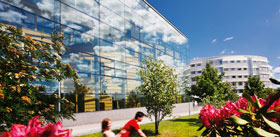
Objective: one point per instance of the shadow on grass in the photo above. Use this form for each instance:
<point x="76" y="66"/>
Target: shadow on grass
<point x="149" y="132"/>
<point x="135" y="134"/>
<point x="190" y="121"/>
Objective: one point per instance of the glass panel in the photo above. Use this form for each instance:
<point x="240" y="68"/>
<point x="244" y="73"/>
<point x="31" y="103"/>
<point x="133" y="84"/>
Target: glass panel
<point x="111" y="18"/>
<point x="89" y="7"/>
<point x="114" y="5"/>
<point x="79" y="21"/>
<point x="43" y="8"/>
<point x="131" y="71"/>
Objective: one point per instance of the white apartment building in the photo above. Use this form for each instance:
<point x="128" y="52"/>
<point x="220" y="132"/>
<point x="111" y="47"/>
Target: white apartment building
<point x="237" y="69"/>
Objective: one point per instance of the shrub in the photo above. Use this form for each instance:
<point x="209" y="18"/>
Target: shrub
<point x="249" y="116"/>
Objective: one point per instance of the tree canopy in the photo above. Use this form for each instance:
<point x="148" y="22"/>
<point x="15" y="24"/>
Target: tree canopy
<point x="210" y="84"/>
<point x="24" y="61"/>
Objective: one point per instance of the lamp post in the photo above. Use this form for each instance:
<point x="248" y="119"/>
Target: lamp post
<point x="59" y="95"/>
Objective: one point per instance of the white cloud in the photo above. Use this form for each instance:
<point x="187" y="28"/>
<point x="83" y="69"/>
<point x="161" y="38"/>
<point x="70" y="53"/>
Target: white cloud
<point x="223" y="51"/>
<point x="278" y="12"/>
<point x="232" y="52"/>
<point x="12" y="16"/>
<point x="276" y="70"/>
<point x="278" y="57"/>
<point x="214" y="41"/>
<point x="229" y="38"/>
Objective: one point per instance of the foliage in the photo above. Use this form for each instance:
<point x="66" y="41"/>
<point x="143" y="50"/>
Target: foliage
<point x="254" y="86"/>
<point x="159" y="88"/>
<point x="266" y="92"/>
<point x="34" y="129"/>
<point x="179" y="127"/>
<point x="250" y="116"/>
<point x="218" y="100"/>
<point x="23" y="62"/>
<point x="134" y="99"/>
<point x="210" y="84"/>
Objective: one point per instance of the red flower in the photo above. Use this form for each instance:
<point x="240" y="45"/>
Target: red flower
<point x="228" y="110"/>
<point x="241" y="103"/>
<point x="34" y="129"/>
<point x="210" y="115"/>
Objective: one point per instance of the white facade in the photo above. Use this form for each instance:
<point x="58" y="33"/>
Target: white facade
<point x="237" y="69"/>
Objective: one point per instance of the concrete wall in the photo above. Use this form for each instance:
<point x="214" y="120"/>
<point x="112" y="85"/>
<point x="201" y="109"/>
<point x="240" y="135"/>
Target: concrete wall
<point x="121" y="114"/>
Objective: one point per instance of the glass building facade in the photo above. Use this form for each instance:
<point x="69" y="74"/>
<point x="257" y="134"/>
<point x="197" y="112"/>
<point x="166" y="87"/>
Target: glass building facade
<point x="107" y="39"/>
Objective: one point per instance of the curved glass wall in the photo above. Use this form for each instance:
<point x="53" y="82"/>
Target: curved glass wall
<point x="107" y="39"/>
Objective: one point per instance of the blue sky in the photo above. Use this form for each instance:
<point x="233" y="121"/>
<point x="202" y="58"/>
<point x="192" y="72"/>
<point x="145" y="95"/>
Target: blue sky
<point x="227" y="27"/>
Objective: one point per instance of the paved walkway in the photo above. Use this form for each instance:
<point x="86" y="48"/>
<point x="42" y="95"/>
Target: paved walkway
<point x="96" y="127"/>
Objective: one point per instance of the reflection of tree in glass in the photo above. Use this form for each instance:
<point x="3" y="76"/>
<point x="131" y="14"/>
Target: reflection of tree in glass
<point x="134" y="99"/>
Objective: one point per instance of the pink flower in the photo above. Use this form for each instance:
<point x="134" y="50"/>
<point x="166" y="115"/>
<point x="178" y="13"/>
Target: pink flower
<point x="6" y="134"/>
<point x="228" y="110"/>
<point x="210" y="115"/>
<point x="34" y="129"/>
<point x="241" y="103"/>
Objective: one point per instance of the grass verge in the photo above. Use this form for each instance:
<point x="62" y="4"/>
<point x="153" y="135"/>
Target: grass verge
<point x="180" y="127"/>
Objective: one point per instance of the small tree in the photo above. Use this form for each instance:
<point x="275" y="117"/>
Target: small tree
<point x="209" y="85"/>
<point x="254" y="86"/>
<point x="159" y="88"/>
<point x="24" y="61"/>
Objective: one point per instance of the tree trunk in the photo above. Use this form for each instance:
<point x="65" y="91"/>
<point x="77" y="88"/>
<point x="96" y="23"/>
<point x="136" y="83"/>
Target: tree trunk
<point x="156" y="124"/>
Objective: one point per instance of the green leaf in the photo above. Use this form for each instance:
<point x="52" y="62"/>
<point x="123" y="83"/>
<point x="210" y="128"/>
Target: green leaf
<point x="213" y="133"/>
<point x="200" y="128"/>
<point x="238" y="120"/>
<point x="273" y="125"/>
<point x="243" y="111"/>
<point x="258" y="102"/>
<point x="264" y="133"/>
<point x="248" y="98"/>
<point x="275" y="97"/>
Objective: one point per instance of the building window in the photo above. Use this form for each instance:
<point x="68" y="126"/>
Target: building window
<point x="238" y="61"/>
<point x="232" y="61"/>
<point x="245" y="76"/>
<point x="194" y="79"/>
<point x="198" y="64"/>
<point x="240" y="76"/>
<point x="225" y="62"/>
<point x="239" y="69"/>
<point x="244" y="68"/>
<point x="233" y="76"/>
<point x="226" y="69"/>
<point x="233" y="83"/>
<point x="220" y="61"/>
<point x="193" y="72"/>
<point x="240" y="83"/>
<point x="199" y="72"/>
<point x="192" y="65"/>
<point x="220" y="69"/>
<point x="232" y="69"/>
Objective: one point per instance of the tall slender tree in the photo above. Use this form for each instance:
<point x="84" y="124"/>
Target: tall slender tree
<point x="159" y="87"/>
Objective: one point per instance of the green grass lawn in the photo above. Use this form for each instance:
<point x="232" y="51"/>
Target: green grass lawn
<point x="180" y="127"/>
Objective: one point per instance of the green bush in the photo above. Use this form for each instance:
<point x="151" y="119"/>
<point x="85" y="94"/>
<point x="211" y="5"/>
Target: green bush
<point x="24" y="61"/>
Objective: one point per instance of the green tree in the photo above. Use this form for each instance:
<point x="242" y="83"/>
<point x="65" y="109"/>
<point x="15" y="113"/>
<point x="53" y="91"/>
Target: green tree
<point x="24" y="61"/>
<point x="254" y="85"/>
<point x="266" y="92"/>
<point x="159" y="88"/>
<point x="209" y="85"/>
